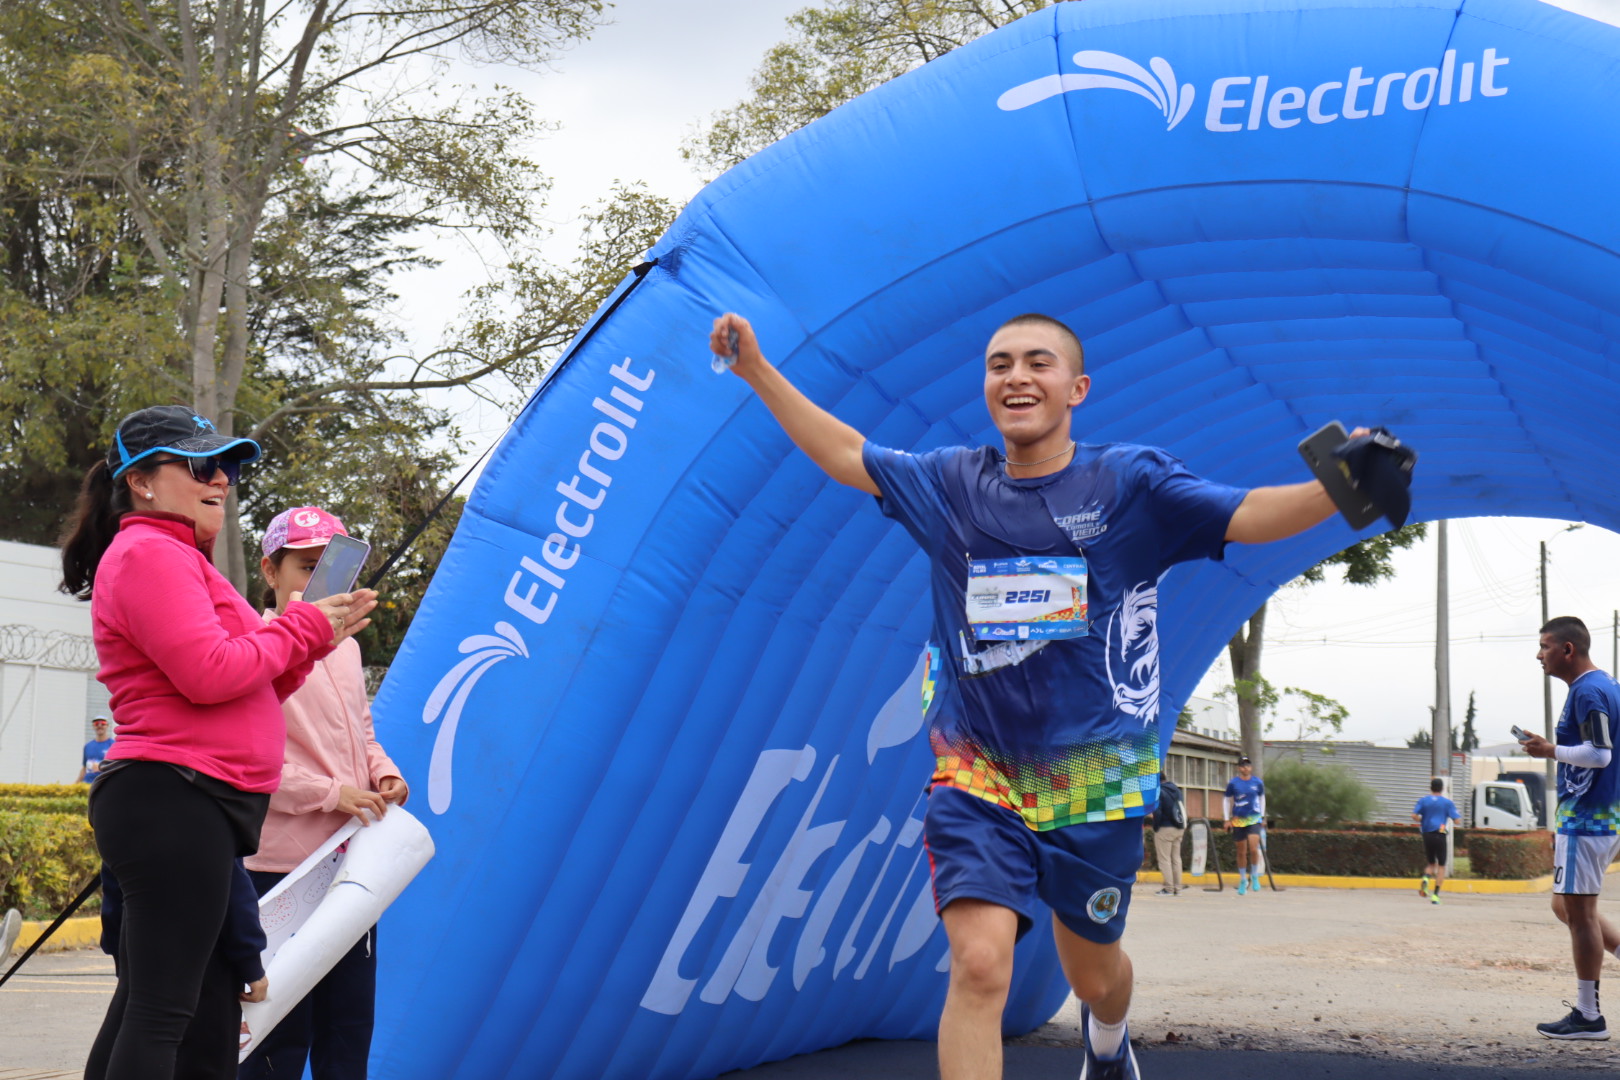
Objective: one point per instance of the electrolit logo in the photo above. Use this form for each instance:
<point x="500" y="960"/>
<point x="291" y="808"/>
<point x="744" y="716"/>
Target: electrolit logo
<point x="805" y="900"/>
<point x="1250" y="102"/>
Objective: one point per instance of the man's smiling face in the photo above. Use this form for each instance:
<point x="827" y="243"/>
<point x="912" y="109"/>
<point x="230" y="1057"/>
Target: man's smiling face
<point x="1031" y="382"/>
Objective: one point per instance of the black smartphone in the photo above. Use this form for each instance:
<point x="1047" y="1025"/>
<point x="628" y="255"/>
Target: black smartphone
<point x="338" y="568"/>
<point x="1317" y="451"/>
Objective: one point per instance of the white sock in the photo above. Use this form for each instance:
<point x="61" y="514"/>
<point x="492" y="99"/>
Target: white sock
<point x="1105" y="1040"/>
<point x="1586" y="998"/>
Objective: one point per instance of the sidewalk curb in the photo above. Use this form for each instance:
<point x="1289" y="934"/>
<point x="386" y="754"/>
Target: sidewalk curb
<point x="81" y="933"/>
<point x="1323" y="881"/>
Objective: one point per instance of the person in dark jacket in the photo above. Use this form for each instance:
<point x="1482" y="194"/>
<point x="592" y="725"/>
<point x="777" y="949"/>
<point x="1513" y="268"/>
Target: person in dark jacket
<point x="1169" y="824"/>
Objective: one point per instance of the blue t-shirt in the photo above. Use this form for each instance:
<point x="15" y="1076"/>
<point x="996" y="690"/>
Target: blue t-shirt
<point x="95" y="752"/>
<point x="1589" y="799"/>
<point x="1059" y="730"/>
<point x="1434" y="810"/>
<point x="1246" y="796"/>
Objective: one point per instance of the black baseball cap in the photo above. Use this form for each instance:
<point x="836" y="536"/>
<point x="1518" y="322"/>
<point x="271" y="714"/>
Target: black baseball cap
<point x="178" y="430"/>
<point x="1244" y="760"/>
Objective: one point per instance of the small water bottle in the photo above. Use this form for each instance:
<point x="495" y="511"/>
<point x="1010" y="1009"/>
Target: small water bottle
<point x="722" y="364"/>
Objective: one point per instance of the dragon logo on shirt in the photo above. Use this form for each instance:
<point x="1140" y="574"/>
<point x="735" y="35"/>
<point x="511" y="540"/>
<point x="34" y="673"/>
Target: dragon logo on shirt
<point x="1132" y="654"/>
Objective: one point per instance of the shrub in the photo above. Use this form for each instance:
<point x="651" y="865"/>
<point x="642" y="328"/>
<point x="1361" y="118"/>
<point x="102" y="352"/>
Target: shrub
<point x="1305" y="796"/>
<point x="44" y="806"/>
<point x="1514" y="856"/>
<point x="45" y="859"/>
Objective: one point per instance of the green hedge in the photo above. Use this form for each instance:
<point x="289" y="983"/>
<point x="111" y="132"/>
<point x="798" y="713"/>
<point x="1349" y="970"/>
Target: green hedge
<point x="44" y="806"/>
<point x="45" y="859"/>
<point x="1386" y="851"/>
<point x="81" y="792"/>
<point x="1513" y="856"/>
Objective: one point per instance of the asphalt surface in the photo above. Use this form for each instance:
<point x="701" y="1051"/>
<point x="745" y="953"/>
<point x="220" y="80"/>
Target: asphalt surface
<point x="1444" y="992"/>
<point x="872" y="1060"/>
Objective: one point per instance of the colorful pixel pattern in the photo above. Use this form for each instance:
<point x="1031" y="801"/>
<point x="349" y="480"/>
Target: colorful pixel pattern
<point x="1086" y="782"/>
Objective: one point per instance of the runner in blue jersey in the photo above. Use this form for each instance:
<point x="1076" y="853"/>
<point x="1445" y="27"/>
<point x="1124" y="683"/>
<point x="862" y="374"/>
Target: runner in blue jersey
<point x="1588" y="829"/>
<point x="1245" y="805"/>
<point x="1046" y="558"/>
<point x="1432" y="814"/>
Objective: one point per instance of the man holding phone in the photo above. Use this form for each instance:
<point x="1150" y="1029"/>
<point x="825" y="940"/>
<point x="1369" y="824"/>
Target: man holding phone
<point x="1587" y="834"/>
<point x="1047" y="743"/>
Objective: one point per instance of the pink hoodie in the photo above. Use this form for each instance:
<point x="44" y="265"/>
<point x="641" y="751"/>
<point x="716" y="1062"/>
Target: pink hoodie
<point x="329" y="743"/>
<point x="196" y="677"/>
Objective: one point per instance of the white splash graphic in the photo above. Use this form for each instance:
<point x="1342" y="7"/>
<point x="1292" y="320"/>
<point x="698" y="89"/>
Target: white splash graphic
<point x="1136" y="688"/>
<point x="450" y="696"/>
<point x="1158" y="86"/>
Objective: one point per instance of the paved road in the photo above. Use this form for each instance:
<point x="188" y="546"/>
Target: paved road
<point x="915" y="1061"/>
<point x="1447" y="993"/>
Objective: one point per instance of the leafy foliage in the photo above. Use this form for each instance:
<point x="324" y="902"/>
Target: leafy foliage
<point x="834" y="54"/>
<point x="1301" y="795"/>
<point x="45" y="859"/>
<point x="1510" y="855"/>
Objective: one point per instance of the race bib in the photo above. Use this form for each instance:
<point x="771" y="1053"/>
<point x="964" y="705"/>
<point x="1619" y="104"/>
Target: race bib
<point x="1027" y="599"/>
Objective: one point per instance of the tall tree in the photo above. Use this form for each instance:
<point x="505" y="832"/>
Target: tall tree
<point x="1366" y="562"/>
<point x="200" y="114"/>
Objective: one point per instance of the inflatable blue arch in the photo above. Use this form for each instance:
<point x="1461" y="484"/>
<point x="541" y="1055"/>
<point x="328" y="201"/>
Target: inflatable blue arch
<point x="661" y="707"/>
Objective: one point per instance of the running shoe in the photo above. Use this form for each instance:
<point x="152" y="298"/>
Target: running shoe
<point x="1243" y="886"/>
<point x="1096" y="1068"/>
<point x="1573" y="1026"/>
<point x="1165" y="892"/>
<point x="1423" y="887"/>
<point x="1434" y="898"/>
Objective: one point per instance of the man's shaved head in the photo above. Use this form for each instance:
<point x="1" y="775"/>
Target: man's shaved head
<point x="1074" y="352"/>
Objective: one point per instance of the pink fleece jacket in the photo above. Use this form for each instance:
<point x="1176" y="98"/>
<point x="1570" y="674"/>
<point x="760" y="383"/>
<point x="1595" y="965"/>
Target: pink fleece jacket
<point x="196" y="677"/>
<point x="329" y="743"/>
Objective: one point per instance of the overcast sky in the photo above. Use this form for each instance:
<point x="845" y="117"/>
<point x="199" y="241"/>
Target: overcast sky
<point x="625" y="101"/>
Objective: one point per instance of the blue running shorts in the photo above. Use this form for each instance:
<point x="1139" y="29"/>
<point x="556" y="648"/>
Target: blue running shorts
<point x="980" y="851"/>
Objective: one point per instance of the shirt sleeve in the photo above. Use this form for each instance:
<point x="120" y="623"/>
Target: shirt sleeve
<point x="1596" y="723"/>
<point x="1192" y="514"/>
<point x="1452" y="807"/>
<point x="166" y="610"/>
<point x="912" y="491"/>
<point x="241" y="939"/>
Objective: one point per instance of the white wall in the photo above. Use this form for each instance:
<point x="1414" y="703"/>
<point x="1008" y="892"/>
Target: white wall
<point x="47" y="694"/>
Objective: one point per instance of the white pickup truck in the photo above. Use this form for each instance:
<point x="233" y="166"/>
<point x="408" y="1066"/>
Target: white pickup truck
<point x="1504" y="804"/>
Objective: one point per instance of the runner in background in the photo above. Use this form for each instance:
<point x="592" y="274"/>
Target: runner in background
<point x="1431" y="814"/>
<point x="334" y="770"/>
<point x="95" y="751"/>
<point x="1245" y="817"/>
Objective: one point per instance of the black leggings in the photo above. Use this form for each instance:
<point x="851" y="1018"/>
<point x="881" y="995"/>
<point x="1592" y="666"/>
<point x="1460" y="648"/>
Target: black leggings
<point x="171" y="848"/>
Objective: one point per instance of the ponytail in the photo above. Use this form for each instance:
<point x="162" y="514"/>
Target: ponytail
<point x="91" y="529"/>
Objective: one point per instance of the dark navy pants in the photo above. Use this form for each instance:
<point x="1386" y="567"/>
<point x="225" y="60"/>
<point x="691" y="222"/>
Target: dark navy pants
<point x="330" y="1028"/>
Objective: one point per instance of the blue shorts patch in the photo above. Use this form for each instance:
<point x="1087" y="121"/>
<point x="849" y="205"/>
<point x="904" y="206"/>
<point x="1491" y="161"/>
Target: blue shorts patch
<point x="980" y="851"/>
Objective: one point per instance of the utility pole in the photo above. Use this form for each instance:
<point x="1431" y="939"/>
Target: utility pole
<point x="1546" y="694"/>
<point x="1614" y="667"/>
<point x="1440" y="731"/>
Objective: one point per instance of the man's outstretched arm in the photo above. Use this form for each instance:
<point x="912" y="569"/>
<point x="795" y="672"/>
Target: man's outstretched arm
<point x="829" y="442"/>
<point x="1276" y="513"/>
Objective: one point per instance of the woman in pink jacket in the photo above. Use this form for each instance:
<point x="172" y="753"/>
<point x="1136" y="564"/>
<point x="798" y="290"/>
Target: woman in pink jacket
<point x="334" y="770"/>
<point x="196" y="679"/>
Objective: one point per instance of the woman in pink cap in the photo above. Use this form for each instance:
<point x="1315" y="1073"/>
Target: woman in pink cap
<point x="334" y="770"/>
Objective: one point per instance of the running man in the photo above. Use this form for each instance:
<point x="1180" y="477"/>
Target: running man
<point x="1430" y="815"/>
<point x="1245" y="817"/>
<point x="1045" y="723"/>
<point x="1588" y="813"/>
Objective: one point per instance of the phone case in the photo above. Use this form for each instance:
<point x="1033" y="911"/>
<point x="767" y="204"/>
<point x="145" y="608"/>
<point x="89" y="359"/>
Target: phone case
<point x="1317" y="450"/>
